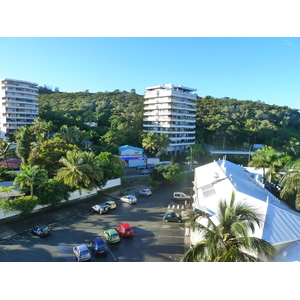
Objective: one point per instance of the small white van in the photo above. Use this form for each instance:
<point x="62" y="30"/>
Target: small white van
<point x="180" y="196"/>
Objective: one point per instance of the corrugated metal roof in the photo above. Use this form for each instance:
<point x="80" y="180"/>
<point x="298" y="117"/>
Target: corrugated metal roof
<point x="281" y="223"/>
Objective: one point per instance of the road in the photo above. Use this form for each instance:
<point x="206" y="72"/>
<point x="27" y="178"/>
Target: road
<point x="154" y="240"/>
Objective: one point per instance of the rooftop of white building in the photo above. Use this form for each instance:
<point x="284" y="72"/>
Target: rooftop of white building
<point x="217" y="180"/>
<point x="170" y="86"/>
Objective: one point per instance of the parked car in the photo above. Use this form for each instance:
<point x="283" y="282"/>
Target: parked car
<point x="180" y="196"/>
<point x="100" y="208"/>
<point x="99" y="246"/>
<point x="41" y="230"/>
<point x="82" y="252"/>
<point x="124" y="230"/>
<point x="111" y="204"/>
<point x="141" y="167"/>
<point x="129" y="199"/>
<point x="151" y="166"/>
<point x="146" y="172"/>
<point x="145" y="192"/>
<point x="112" y="236"/>
<point x="164" y="164"/>
<point x="172" y="217"/>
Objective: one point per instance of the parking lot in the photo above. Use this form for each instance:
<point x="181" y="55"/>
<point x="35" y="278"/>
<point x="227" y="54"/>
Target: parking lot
<point x="154" y="240"/>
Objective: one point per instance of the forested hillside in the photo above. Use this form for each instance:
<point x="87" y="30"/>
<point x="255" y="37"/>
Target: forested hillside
<point x="223" y="123"/>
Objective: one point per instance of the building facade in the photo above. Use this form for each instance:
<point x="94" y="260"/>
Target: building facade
<point x="19" y="105"/>
<point x="170" y="109"/>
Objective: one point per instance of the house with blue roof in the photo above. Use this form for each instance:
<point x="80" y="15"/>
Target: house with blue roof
<point x="217" y="180"/>
<point x="132" y="156"/>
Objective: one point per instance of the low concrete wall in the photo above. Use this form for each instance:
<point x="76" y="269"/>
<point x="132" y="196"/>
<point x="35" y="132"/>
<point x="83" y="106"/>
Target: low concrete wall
<point x="73" y="196"/>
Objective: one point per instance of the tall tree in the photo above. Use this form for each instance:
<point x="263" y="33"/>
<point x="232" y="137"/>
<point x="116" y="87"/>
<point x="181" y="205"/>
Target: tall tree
<point x="29" y="177"/>
<point x="81" y="170"/>
<point x="291" y="183"/>
<point x="268" y="157"/>
<point x="229" y="240"/>
<point x="149" y="141"/>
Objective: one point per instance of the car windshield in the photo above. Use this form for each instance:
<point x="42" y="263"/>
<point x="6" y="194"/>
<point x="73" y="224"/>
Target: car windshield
<point x="114" y="236"/>
<point x="128" y="229"/>
<point x="45" y="228"/>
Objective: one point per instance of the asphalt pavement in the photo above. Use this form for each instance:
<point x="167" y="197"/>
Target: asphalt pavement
<point x="11" y="227"/>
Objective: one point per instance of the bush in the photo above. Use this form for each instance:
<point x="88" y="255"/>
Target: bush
<point x="24" y="204"/>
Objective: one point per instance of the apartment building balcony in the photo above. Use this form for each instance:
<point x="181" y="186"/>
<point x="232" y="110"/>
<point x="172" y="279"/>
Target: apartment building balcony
<point x="19" y="91"/>
<point x="181" y="144"/>
<point x="23" y="104"/>
<point x="158" y="106"/>
<point x="169" y="93"/>
<point x="16" y="96"/>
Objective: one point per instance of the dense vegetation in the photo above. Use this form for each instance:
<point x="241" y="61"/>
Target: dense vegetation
<point x="224" y="123"/>
<point x="74" y="142"/>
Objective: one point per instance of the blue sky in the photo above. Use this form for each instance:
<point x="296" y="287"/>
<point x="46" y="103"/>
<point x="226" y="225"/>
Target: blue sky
<point x="245" y="68"/>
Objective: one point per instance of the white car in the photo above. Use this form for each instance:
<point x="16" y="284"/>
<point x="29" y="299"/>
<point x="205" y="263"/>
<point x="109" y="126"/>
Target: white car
<point x="128" y="199"/>
<point x="145" y="192"/>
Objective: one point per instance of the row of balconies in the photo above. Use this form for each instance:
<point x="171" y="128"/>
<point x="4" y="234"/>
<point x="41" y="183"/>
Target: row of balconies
<point x="167" y="125"/>
<point x="169" y="93"/>
<point x="168" y="113"/>
<point x="20" y="85"/>
<point x="166" y="119"/>
<point x="169" y="100"/>
<point x="15" y="116"/>
<point x="20" y="96"/>
<point x="169" y="130"/>
<point x="168" y="106"/>
<point x="20" y="90"/>
<point x="25" y="105"/>
<point x="20" y="110"/>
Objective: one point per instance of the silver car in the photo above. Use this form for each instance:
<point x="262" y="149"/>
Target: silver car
<point x="145" y="192"/>
<point x="128" y="199"/>
<point x="82" y="252"/>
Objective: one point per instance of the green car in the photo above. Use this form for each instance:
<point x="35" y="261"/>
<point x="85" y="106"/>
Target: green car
<point x="172" y="217"/>
<point x="112" y="236"/>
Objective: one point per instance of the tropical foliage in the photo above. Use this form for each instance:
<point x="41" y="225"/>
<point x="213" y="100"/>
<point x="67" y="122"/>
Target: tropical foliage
<point x="230" y="239"/>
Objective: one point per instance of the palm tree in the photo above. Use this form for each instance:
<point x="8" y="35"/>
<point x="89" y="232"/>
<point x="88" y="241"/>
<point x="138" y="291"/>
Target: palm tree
<point x="229" y="241"/>
<point x="291" y="183"/>
<point x="162" y="141"/>
<point x="268" y="157"/>
<point x="81" y="170"/>
<point x="30" y="176"/>
<point x="5" y="150"/>
<point x="149" y="141"/>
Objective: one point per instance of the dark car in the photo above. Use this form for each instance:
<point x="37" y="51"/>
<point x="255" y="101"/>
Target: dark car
<point x="141" y="167"/>
<point x="99" y="246"/>
<point x="146" y="172"/>
<point x="100" y="208"/>
<point x="151" y="166"/>
<point x="41" y="230"/>
<point x="172" y="217"/>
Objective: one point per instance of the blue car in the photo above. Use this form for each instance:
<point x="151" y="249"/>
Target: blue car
<point x="99" y="246"/>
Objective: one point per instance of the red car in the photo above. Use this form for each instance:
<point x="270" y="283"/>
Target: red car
<point x="124" y="230"/>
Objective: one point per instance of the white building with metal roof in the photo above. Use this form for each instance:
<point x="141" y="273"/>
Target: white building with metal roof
<point x="217" y="180"/>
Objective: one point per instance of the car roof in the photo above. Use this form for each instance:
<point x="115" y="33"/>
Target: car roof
<point x="98" y="240"/>
<point x="82" y="247"/>
<point x="111" y="230"/>
<point x="130" y="196"/>
<point x="124" y="225"/>
<point x="109" y="201"/>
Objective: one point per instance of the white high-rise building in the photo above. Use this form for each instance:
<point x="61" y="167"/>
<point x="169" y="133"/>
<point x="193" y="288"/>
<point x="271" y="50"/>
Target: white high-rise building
<point x="19" y="105"/>
<point x="171" y="109"/>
